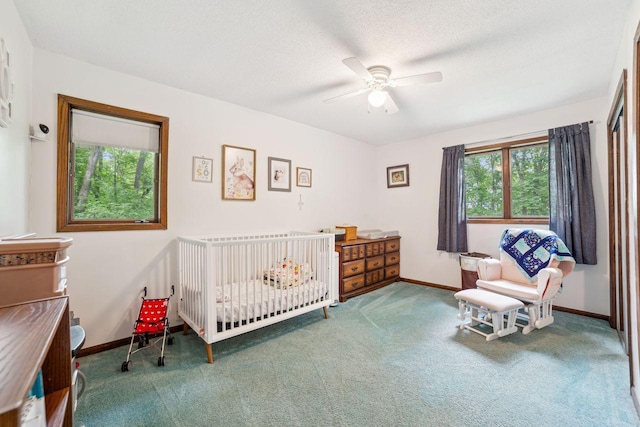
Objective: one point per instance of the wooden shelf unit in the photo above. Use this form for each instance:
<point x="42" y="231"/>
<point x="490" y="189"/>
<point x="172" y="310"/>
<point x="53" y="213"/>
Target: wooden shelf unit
<point x="367" y="264"/>
<point x="36" y="336"/>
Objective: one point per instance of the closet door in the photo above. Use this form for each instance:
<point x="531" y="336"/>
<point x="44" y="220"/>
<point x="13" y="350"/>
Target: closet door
<point x="619" y="265"/>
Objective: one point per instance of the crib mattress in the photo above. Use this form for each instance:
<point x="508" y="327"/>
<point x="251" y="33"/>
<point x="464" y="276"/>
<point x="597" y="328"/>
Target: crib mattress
<point x="239" y="302"/>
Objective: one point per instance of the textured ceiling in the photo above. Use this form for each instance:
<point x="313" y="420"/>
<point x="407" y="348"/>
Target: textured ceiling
<point x="499" y="58"/>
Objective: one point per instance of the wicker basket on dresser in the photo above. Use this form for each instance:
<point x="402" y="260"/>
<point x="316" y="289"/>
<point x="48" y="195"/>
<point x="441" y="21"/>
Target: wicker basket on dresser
<point x="367" y="264"/>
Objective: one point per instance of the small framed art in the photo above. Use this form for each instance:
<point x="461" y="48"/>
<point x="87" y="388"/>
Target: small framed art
<point x="398" y="176"/>
<point x="303" y="177"/>
<point x="201" y="169"/>
<point x="279" y="174"/>
<point x="238" y="173"/>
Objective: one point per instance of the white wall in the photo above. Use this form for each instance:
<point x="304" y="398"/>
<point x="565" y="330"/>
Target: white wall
<point x="15" y="145"/>
<point x="416" y="206"/>
<point x="108" y="269"/>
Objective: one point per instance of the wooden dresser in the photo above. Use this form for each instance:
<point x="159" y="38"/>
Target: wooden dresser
<point x="367" y="264"/>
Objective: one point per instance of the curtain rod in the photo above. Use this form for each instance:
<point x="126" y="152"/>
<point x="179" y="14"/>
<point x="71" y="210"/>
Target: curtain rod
<point x="495" y="140"/>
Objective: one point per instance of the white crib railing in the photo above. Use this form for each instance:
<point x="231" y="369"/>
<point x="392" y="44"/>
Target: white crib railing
<point x="237" y="283"/>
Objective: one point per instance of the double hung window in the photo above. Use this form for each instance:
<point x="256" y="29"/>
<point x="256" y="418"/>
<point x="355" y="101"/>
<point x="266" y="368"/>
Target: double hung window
<point x="508" y="182"/>
<point x="112" y="167"/>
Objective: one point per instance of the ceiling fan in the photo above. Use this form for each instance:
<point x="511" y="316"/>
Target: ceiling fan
<point x="378" y="83"/>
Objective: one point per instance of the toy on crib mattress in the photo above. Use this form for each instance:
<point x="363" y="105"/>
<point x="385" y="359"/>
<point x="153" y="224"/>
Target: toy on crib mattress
<point x="288" y="273"/>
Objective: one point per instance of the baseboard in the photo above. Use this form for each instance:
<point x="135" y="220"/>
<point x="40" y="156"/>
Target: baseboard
<point x="429" y="284"/>
<point x="115" y="344"/>
<point x="555" y="307"/>
<point x="581" y="313"/>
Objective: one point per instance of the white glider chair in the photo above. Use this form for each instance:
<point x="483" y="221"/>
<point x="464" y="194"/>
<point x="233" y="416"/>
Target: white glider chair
<point x="531" y="267"/>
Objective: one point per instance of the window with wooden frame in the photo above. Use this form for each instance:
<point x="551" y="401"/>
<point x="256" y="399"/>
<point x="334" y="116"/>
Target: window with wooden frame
<point x="508" y="182"/>
<point x="112" y="167"/>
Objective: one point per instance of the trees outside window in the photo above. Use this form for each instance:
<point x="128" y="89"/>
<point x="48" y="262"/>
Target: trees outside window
<point x="483" y="184"/>
<point x="508" y="182"/>
<point x="529" y="181"/>
<point x="112" y="164"/>
<point x="113" y="183"/>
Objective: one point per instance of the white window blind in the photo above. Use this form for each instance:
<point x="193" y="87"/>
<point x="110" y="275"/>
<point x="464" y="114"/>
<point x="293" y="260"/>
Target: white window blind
<point x="99" y="129"/>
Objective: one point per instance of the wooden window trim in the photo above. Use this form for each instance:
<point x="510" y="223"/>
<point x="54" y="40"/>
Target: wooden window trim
<point x="64" y="187"/>
<point x="495" y="220"/>
<point x="505" y="148"/>
<point x="518" y="143"/>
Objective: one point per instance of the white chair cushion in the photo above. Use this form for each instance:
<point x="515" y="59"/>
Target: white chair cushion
<point x="490" y="300"/>
<point x="515" y="290"/>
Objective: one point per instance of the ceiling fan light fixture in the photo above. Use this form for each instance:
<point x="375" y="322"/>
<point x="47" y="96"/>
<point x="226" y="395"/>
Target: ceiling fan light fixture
<point x="377" y="98"/>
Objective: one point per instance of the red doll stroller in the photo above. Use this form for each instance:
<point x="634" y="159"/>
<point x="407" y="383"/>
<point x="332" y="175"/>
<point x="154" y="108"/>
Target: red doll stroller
<point x="152" y="321"/>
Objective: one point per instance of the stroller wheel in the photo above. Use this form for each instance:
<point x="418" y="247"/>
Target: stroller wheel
<point x="126" y="366"/>
<point x="161" y="361"/>
<point x="170" y="340"/>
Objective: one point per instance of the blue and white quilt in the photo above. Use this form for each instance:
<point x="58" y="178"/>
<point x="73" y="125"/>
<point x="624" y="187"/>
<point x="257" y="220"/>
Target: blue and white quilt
<point x="533" y="250"/>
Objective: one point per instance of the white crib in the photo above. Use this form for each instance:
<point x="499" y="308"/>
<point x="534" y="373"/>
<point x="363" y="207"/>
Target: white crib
<point x="232" y="284"/>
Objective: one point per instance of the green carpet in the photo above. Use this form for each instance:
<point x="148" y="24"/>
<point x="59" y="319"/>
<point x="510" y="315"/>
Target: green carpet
<point x="393" y="357"/>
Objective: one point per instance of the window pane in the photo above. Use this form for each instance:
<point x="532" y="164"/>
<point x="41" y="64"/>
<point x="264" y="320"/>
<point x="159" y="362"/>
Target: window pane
<point x="483" y="184"/>
<point x="530" y="181"/>
<point x="113" y="183"/>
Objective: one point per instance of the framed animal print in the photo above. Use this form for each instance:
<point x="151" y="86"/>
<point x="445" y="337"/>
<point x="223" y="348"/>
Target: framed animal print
<point x="238" y="173"/>
<point x="279" y="174"/>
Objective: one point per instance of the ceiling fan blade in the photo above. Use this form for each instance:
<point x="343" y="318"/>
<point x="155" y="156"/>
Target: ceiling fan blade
<point x="390" y="106"/>
<point x="419" y="79"/>
<point x="346" y="95"/>
<point x="356" y="66"/>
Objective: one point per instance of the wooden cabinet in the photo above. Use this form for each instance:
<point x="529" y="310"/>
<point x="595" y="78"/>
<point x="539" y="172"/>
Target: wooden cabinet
<point x="366" y="265"/>
<point x="36" y="336"/>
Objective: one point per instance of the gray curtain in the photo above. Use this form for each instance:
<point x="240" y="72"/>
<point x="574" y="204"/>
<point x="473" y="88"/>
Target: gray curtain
<point x="452" y="212"/>
<point x="572" y="213"/>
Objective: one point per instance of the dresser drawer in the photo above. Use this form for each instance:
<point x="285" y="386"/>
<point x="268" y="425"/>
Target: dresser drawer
<point x="393" y="271"/>
<point x="392" y="245"/>
<point x="374" y="249"/>
<point x="353" y="283"/>
<point x="350" y="253"/>
<point x="375" y="263"/>
<point x="392" y="258"/>
<point x="352" y="268"/>
<point x="374" y="277"/>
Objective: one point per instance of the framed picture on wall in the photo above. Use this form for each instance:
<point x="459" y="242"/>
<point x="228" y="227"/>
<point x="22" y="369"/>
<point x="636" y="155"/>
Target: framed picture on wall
<point x="201" y="169"/>
<point x="303" y="177"/>
<point x="238" y="173"/>
<point x="398" y="176"/>
<point x="279" y="174"/>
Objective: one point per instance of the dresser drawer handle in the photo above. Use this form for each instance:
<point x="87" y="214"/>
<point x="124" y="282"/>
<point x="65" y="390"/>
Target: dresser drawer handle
<point x="354" y="268"/>
<point x="375" y="264"/>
